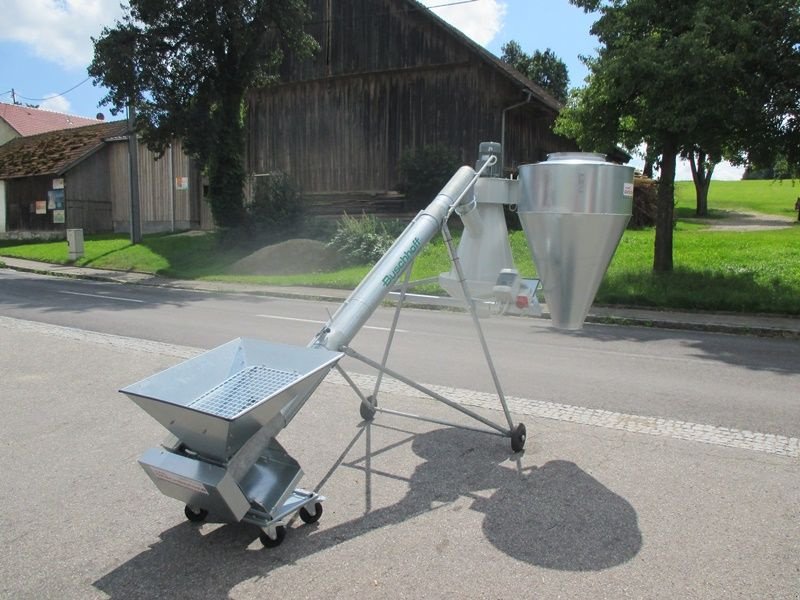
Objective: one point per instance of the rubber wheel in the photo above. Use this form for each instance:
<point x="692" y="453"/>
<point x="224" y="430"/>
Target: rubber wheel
<point x="518" y="438"/>
<point x="195" y="516"/>
<point x="307" y="517"/>
<point x="268" y="542"/>
<point x="367" y="413"/>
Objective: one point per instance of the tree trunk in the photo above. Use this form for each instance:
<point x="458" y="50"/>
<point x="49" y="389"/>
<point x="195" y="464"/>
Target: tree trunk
<point x="702" y="171"/>
<point x="649" y="161"/>
<point x="226" y="169"/>
<point x="662" y="256"/>
<point x="647" y="171"/>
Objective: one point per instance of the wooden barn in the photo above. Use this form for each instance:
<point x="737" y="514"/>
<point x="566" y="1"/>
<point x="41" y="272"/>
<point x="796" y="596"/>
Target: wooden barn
<point x="390" y="76"/>
<point x="79" y="178"/>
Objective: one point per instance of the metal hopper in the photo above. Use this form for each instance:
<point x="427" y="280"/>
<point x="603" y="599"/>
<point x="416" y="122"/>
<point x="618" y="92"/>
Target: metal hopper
<point x="574" y="208"/>
<point x="217" y="401"/>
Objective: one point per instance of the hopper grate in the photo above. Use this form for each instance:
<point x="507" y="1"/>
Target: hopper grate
<point x="242" y="390"/>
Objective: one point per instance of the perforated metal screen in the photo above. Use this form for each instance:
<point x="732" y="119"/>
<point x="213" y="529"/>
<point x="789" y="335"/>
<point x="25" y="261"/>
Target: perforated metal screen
<point x="243" y="390"/>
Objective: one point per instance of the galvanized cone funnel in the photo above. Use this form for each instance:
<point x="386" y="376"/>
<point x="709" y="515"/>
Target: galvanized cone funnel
<point x="215" y="402"/>
<point x="574" y="208"/>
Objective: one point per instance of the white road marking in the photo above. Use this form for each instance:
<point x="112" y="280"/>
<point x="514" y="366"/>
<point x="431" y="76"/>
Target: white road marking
<point x="766" y="443"/>
<point x="280" y="318"/>
<point x="104" y="297"/>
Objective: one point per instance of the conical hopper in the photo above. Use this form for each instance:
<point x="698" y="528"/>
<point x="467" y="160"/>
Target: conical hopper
<point x="215" y="402"/>
<point x="574" y="208"/>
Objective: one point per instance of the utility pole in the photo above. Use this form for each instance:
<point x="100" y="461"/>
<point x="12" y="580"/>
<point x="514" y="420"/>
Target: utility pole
<point x="133" y="155"/>
<point x="13" y="96"/>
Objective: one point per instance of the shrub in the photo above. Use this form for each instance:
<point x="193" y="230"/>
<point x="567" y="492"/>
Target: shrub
<point x="277" y="204"/>
<point x="361" y="240"/>
<point x="424" y="171"/>
<point x="645" y="203"/>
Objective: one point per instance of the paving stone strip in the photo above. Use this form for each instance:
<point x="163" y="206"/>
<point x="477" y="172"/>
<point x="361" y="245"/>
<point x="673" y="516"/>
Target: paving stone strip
<point x="681" y="430"/>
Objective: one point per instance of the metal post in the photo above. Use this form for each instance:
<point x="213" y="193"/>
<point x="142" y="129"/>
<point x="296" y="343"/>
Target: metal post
<point x="171" y="178"/>
<point x="471" y="305"/>
<point x="133" y="157"/>
<point x="392" y="331"/>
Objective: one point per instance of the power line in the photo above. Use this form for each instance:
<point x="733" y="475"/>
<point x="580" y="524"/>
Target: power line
<point x="54" y="95"/>
<point x="420" y="8"/>
<point x="451" y="4"/>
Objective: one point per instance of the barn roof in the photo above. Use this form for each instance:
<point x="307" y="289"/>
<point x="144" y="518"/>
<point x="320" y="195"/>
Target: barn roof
<point x="55" y="152"/>
<point x="526" y="84"/>
<point x="31" y="121"/>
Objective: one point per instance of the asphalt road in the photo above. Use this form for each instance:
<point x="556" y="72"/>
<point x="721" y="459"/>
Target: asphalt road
<point x="414" y="510"/>
<point x="740" y="382"/>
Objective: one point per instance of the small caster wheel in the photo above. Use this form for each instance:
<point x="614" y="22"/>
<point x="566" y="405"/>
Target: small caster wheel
<point x="367" y="412"/>
<point x="307" y="517"/>
<point x="280" y="533"/>
<point x="518" y="437"/>
<point x="195" y="516"/>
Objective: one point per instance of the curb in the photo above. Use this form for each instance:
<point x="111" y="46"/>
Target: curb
<point x="314" y="295"/>
<point x="751" y="330"/>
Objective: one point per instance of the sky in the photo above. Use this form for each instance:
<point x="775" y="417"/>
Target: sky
<point x="46" y="47"/>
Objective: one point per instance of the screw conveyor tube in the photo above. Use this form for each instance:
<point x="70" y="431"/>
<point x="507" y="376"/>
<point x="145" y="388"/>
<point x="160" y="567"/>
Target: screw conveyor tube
<point x="351" y="316"/>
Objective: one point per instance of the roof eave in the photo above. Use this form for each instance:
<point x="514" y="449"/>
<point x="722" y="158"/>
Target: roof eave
<point x="526" y="85"/>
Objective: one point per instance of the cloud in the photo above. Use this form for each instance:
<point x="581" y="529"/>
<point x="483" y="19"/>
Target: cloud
<point x="56" y="104"/>
<point x="59" y="31"/>
<point x="481" y="20"/>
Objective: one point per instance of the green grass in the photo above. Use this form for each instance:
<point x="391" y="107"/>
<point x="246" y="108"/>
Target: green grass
<point x="742" y="271"/>
<point x="739" y="271"/>
<point x="184" y="256"/>
<point x="769" y="197"/>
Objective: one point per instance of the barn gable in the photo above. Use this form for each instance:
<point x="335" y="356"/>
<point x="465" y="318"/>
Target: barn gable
<point x="369" y="36"/>
<point x="390" y="75"/>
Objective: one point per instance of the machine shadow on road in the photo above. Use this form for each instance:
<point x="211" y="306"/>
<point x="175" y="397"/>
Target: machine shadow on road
<point x="554" y="516"/>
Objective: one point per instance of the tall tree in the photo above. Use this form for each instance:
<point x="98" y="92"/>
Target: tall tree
<point x="689" y="74"/>
<point x="187" y="66"/>
<point x="543" y="68"/>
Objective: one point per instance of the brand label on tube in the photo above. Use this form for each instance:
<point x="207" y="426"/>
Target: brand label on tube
<point x="405" y="259"/>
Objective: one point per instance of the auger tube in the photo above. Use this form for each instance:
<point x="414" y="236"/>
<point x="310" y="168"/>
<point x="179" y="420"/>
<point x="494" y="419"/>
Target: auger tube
<point x="351" y="316"/>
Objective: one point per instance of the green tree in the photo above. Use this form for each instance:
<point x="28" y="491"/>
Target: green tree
<point x="683" y="75"/>
<point x="187" y="65"/>
<point x="543" y="68"/>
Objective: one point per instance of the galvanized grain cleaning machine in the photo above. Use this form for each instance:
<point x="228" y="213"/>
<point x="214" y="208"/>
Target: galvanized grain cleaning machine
<point x="225" y="407"/>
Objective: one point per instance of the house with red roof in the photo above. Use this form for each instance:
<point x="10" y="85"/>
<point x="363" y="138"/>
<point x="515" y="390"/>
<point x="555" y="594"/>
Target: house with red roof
<point x="18" y="121"/>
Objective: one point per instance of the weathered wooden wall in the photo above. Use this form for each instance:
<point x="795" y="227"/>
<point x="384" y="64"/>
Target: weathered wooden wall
<point x="88" y="194"/>
<point x="21" y="194"/>
<point x="366" y="36"/>
<point x="156" y="188"/>
<point x="348" y="134"/>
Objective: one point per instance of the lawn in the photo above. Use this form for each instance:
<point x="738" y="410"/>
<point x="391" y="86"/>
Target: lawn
<point x="185" y="256"/>
<point x="769" y="197"/>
